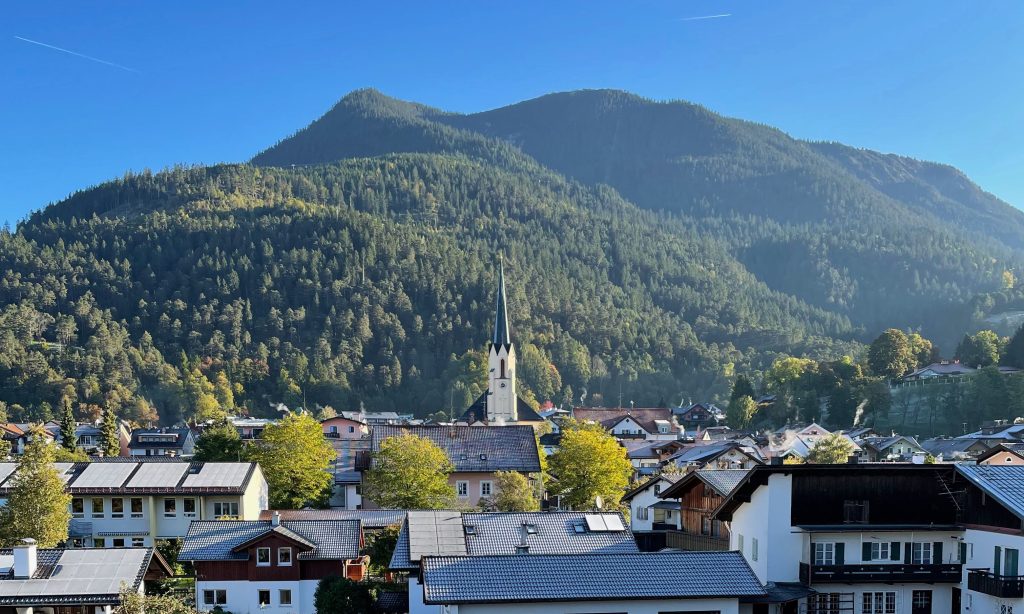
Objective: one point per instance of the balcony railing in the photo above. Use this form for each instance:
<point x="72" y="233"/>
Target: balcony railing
<point x="984" y="581"/>
<point x="689" y="541"/>
<point x="850" y="574"/>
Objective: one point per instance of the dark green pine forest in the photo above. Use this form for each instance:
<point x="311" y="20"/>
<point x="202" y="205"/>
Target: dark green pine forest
<point x="652" y="251"/>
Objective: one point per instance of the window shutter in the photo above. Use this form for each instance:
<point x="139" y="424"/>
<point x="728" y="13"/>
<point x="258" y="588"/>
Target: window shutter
<point x="894" y="551"/>
<point x="963" y="552"/>
<point x="997" y="563"/>
<point x="908" y="552"/>
<point x="840" y="552"/>
<point x="937" y="553"/>
<point x="865" y="554"/>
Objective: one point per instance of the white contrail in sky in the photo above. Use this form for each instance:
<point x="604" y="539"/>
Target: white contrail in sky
<point x="705" y="17"/>
<point x="75" y="53"/>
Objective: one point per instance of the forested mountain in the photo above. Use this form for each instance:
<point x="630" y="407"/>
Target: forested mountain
<point x="652" y="250"/>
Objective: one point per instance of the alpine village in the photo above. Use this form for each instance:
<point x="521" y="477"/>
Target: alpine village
<point x="587" y="353"/>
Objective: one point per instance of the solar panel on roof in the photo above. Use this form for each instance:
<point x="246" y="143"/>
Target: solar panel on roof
<point x="595" y="522"/>
<point x="613" y="522"/>
<point x="6" y="469"/>
<point x="104" y="475"/>
<point x="156" y="475"/>
<point x="225" y="475"/>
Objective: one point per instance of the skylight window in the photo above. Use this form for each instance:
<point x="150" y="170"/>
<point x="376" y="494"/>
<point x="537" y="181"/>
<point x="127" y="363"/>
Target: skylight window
<point x="531" y="529"/>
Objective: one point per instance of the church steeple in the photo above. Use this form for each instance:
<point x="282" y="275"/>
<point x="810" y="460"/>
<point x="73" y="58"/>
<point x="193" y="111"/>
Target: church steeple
<point x="502" y="336"/>
<point x="502" y="402"/>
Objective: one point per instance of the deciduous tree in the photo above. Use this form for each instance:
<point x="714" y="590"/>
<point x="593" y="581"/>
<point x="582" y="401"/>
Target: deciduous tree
<point x="409" y="472"/>
<point x="220" y="443"/>
<point x="336" y="595"/>
<point x="37" y="505"/>
<point x="295" y="457"/>
<point x="589" y="463"/>
<point x="513" y="493"/>
<point x="832" y="449"/>
<point x="890" y="354"/>
<point x="740" y="412"/>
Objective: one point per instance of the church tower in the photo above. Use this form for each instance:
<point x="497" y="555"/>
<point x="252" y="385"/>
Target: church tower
<point x="501" y="380"/>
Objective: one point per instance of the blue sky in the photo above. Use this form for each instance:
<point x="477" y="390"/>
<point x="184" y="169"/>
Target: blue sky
<point x="213" y="82"/>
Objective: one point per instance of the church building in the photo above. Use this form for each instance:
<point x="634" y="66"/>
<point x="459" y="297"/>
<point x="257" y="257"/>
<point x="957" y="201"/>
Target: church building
<point x="500" y="404"/>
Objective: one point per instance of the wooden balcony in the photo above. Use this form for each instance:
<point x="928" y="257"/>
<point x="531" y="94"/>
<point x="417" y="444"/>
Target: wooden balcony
<point x="855" y="574"/>
<point x="689" y="541"/>
<point x="984" y="581"/>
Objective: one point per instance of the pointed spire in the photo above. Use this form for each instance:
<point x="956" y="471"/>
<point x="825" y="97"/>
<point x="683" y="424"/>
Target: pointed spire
<point x="502" y="336"/>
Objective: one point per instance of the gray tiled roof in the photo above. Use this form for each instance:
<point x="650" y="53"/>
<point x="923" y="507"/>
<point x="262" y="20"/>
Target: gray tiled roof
<point x="703" y="453"/>
<point x="371" y="519"/>
<point x="180" y="436"/>
<point x="93" y="576"/>
<point x="586" y="577"/>
<point x="501" y="532"/>
<point x="1004" y="483"/>
<point x="214" y="540"/>
<point x="475" y="448"/>
<point x="722" y="480"/>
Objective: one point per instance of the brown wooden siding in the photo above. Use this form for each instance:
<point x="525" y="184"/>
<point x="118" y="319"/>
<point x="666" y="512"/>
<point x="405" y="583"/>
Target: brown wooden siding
<point x="696" y="505"/>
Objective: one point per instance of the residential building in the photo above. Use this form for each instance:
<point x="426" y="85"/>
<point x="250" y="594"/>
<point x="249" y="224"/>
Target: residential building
<point x="374" y="418"/>
<point x="89" y="437"/>
<point x="119" y="504"/>
<point x="895" y="448"/>
<point x="997" y="432"/>
<point x="500" y="404"/>
<point x="797" y="442"/>
<point x="949" y="449"/>
<point x="58" y="580"/>
<point x="648" y="512"/>
<point x="867" y="538"/>
<point x="345" y="427"/>
<point x="18" y="435"/>
<point x="937" y="370"/>
<point x="475" y="535"/>
<point x="698" y="415"/>
<point x="647" y="457"/>
<point x="716" y="455"/>
<point x="641" y="583"/>
<point x="695" y="497"/>
<point x="993" y="500"/>
<point x="646" y="423"/>
<point x="250" y="428"/>
<point x="255" y="566"/>
<point x="476" y="452"/>
<point x="1003" y="454"/>
<point x="162" y="442"/>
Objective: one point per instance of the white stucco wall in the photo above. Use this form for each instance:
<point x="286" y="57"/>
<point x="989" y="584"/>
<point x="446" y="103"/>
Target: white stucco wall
<point x="243" y="596"/>
<point x="766" y="518"/>
<point x="416" y="605"/>
<point x="981" y="547"/>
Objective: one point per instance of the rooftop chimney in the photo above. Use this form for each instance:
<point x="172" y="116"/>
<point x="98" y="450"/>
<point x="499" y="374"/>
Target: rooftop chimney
<point x="275" y="519"/>
<point x="25" y="558"/>
<point x="522" y="548"/>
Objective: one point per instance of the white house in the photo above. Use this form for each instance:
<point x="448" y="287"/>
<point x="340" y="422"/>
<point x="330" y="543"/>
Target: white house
<point x="648" y="511"/>
<point x="121" y="504"/>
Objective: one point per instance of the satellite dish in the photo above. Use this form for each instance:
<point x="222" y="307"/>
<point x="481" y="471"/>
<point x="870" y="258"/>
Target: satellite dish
<point x="599" y="502"/>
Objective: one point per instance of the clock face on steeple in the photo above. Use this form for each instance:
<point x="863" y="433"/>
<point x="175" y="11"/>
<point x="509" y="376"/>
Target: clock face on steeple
<point x="502" y="384"/>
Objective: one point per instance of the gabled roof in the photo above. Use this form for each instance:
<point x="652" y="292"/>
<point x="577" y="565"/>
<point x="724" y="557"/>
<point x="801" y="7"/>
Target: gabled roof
<point x="223" y="540"/>
<point x="1004" y="483"/>
<point x="665" y="478"/>
<point x="951" y="447"/>
<point x="884" y="443"/>
<point x="1016" y="449"/>
<point x="475" y="448"/>
<point x="586" y="577"/>
<point x="500" y="532"/>
<point x="722" y="481"/>
<point x="371" y="519"/>
<point x="477" y="412"/>
<point x="92" y="576"/>
<point x="646" y="417"/>
<point x="181" y="435"/>
<point x="703" y="454"/>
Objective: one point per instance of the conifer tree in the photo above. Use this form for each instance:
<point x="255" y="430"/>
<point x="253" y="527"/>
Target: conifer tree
<point x="109" y="435"/>
<point x="68" y="428"/>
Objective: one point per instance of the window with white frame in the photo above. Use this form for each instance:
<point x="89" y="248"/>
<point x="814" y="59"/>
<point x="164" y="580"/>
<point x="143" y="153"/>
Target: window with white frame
<point x="880" y="551"/>
<point x="215" y="597"/>
<point x="137" y="542"/>
<point x="263" y="557"/>
<point x="97" y="507"/>
<point x="117" y="542"/>
<point x="462" y="489"/>
<point x="921" y="553"/>
<point x="824" y="553"/>
<point x="642" y="513"/>
<point x="188" y="507"/>
<point x="263" y="597"/>
<point x="284" y="556"/>
<point x="77" y="508"/>
<point x="170" y="508"/>
<point x="486" y="487"/>
<point x="284" y="596"/>
<point x="225" y="508"/>
<point x="829" y="603"/>
<point x="878" y="602"/>
<point x="117" y="507"/>
<point x="136" y="504"/>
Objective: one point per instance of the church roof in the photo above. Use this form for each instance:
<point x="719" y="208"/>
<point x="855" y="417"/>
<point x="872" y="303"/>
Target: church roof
<point x="502" y="335"/>
<point x="478" y="411"/>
